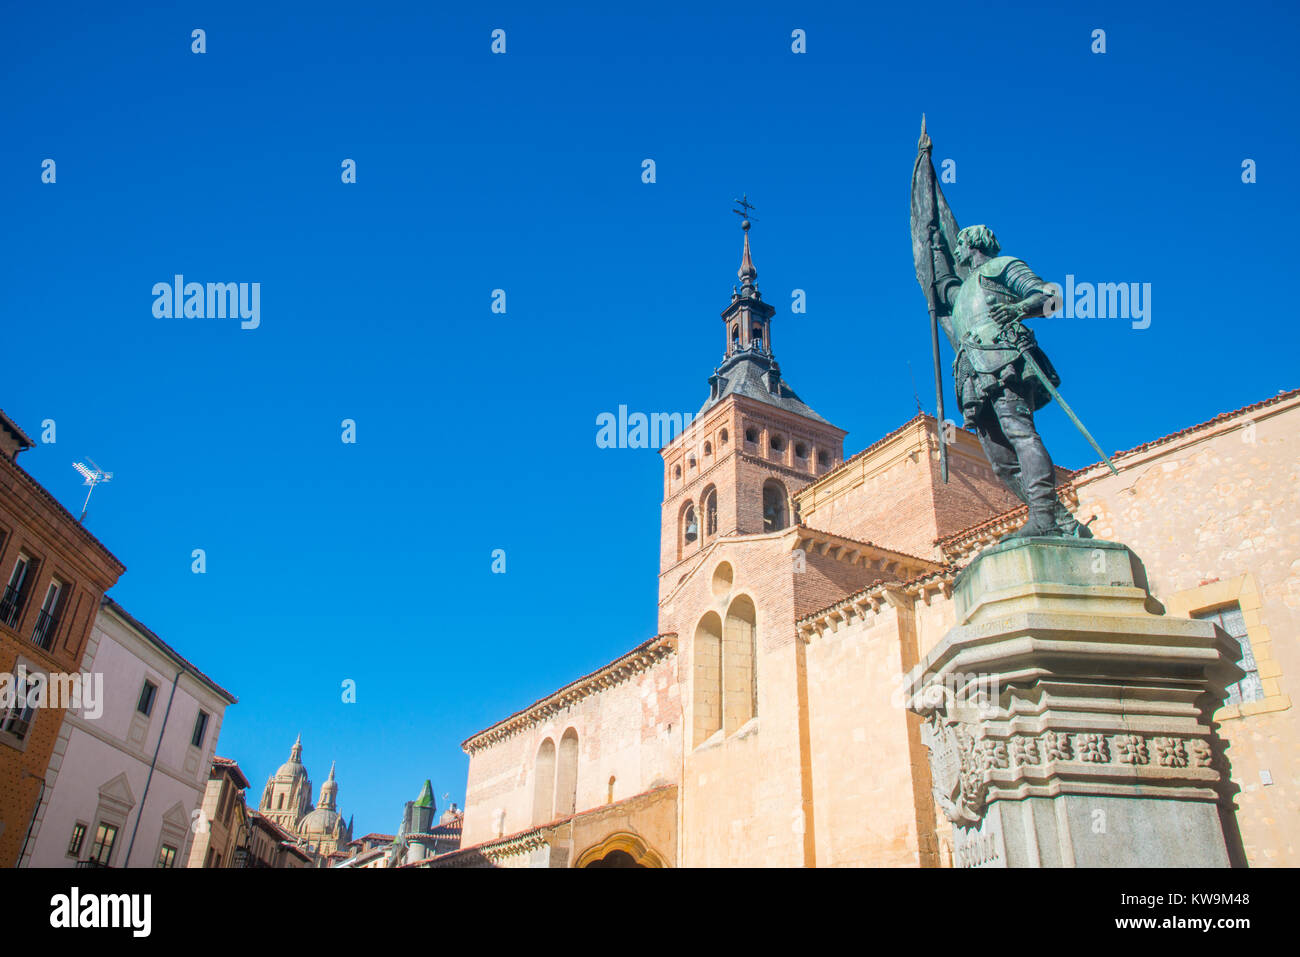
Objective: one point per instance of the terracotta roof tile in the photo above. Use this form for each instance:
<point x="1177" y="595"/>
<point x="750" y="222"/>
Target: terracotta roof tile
<point x="44" y="493"/>
<point x="1221" y="417"/>
<point x="233" y="767"/>
<point x="16" y="429"/>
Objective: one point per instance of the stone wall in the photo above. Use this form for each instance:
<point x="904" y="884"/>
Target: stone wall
<point x="629" y="729"/>
<point x="1214" y="515"/>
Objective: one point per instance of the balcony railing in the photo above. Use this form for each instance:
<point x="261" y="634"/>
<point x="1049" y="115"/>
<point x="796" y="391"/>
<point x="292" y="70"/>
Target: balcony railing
<point x="10" y="606"/>
<point x="91" y="862"/>
<point x="43" y="633"/>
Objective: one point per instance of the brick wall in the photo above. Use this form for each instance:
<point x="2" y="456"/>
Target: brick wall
<point x="894" y="496"/>
<point x="32" y="523"/>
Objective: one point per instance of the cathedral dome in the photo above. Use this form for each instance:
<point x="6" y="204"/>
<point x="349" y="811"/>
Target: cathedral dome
<point x="321" y="822"/>
<point x="292" y="768"/>
<point x="324" y="827"/>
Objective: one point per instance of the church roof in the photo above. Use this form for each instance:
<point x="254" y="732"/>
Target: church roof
<point x="426" y="795"/>
<point x="745" y="375"/>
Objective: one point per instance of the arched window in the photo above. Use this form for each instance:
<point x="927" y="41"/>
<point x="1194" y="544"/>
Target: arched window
<point x="722" y="437"/>
<point x="690" y="526"/>
<point x="774" y="506"/>
<point x="735" y="336"/>
<point x="609" y="796"/>
<point x="280" y="807"/>
<point x="544" y="783"/>
<point x="709" y="503"/>
<point x="566" y="775"/>
<point x="706" y="697"/>
<point x="739" y="664"/>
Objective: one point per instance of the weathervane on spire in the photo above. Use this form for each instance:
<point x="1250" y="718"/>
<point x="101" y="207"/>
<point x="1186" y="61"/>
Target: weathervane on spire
<point x="745" y="207"/>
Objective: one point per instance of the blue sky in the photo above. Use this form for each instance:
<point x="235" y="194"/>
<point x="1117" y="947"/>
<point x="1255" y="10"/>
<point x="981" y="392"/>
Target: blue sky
<point x="476" y="171"/>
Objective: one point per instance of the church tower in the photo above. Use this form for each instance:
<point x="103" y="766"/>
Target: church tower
<point x="733" y="470"/>
<point x="287" y="796"/>
<point x="324" y="829"/>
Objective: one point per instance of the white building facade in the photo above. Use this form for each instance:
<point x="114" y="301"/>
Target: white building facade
<point x="123" y="785"/>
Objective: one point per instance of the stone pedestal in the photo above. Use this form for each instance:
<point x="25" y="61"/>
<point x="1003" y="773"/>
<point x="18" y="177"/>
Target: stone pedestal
<point x="1068" y="719"/>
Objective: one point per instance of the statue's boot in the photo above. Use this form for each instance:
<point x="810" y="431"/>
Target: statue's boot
<point x="1068" y="524"/>
<point x="1041" y="522"/>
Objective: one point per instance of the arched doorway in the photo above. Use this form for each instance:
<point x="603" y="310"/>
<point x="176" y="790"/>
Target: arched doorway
<point x="615" y="858"/>
<point x="620" y="850"/>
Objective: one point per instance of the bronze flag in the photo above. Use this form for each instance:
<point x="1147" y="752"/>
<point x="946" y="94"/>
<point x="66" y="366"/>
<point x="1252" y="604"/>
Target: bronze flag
<point x="930" y="211"/>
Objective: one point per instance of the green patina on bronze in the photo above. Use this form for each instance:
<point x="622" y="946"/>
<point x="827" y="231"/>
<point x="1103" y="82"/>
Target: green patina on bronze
<point x="981" y="299"/>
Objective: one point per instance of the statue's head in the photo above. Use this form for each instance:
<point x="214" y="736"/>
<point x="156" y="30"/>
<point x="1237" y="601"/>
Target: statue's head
<point x="974" y="238"/>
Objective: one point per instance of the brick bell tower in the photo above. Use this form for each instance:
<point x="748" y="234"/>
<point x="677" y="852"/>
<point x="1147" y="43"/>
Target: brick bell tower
<point x="732" y="471"/>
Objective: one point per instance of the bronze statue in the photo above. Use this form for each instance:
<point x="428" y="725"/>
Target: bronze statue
<point x="981" y="300"/>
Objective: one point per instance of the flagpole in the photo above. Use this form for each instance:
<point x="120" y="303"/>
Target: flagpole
<point x="938" y="384"/>
<point x="923" y="147"/>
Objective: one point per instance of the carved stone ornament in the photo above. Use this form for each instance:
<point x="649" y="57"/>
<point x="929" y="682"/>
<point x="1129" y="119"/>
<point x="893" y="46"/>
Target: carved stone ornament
<point x="958" y="769"/>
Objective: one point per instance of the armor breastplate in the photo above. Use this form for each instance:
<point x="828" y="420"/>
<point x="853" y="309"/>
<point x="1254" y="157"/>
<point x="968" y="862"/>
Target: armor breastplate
<point x="976" y="332"/>
<point x="970" y="314"/>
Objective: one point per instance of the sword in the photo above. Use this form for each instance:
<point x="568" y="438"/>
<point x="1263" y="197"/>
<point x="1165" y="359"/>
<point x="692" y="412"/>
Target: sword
<point x="1032" y="364"/>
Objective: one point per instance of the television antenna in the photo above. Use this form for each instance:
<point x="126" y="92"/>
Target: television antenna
<point x="93" y="475"/>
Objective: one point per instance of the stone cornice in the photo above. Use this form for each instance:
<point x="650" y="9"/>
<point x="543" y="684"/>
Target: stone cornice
<point x="639" y="659"/>
<point x="899" y="566"/>
<point x="870" y="599"/>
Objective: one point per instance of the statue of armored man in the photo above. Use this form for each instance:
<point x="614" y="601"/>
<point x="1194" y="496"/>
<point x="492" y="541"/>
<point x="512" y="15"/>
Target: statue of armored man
<point x="981" y="298"/>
